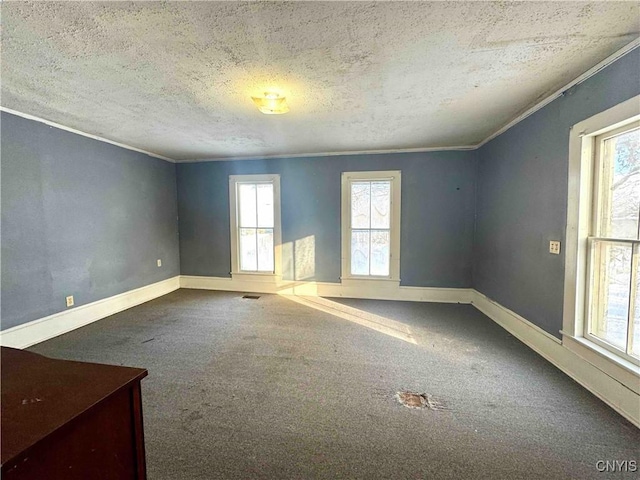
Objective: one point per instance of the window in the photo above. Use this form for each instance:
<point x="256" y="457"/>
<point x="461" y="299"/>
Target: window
<point x="255" y="223"/>
<point x="600" y="314"/>
<point x="371" y="225"/>
<point x="613" y="317"/>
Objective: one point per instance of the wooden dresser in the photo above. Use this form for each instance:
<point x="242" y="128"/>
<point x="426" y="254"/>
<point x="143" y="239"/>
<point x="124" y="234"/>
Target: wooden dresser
<point x="70" y="420"/>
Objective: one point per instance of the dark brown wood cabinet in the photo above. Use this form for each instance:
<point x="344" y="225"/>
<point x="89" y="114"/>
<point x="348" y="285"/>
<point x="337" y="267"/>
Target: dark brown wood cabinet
<point x="70" y="420"/>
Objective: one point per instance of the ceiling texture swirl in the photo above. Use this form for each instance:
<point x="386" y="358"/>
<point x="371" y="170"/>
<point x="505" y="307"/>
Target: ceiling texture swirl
<point x="176" y="78"/>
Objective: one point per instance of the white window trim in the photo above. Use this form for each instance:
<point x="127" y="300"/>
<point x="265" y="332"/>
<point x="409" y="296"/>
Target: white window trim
<point x="394" y="262"/>
<point x="277" y="231"/>
<point x="579" y="211"/>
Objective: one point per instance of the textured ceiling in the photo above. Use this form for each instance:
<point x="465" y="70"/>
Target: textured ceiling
<point x="177" y="78"/>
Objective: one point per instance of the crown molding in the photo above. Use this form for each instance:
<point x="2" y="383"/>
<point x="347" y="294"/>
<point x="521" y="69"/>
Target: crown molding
<point x="558" y="93"/>
<point x="333" y="154"/>
<point x="530" y="111"/>
<point x="84" y="134"/>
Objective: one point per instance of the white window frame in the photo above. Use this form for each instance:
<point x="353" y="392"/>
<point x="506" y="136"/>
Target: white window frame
<point x="394" y="261"/>
<point x="580" y="203"/>
<point x="592" y="272"/>
<point x="234" y="180"/>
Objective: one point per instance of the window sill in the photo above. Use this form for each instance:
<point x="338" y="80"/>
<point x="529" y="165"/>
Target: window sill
<point x="616" y="367"/>
<point x="372" y="284"/>
<point x="380" y="280"/>
<point x="266" y="277"/>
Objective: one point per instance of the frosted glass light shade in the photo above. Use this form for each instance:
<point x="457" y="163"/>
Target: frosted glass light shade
<point x="271" y="104"/>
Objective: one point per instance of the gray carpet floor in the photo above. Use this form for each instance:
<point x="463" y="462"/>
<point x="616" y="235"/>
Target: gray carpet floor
<point x="271" y="388"/>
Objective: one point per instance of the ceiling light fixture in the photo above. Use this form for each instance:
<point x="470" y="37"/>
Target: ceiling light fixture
<point x="271" y="103"/>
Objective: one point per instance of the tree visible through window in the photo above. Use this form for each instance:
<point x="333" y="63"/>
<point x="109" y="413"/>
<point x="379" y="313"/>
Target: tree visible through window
<point x="615" y="242"/>
<point x="256" y="227"/>
<point x="370" y="227"/>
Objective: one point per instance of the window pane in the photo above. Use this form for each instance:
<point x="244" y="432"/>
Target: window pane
<point x="360" y="204"/>
<point x="380" y="204"/>
<point x="248" y="257"/>
<point x="380" y="247"/>
<point x="611" y="292"/>
<point x="359" y="252"/>
<point x="265" y="250"/>
<point x="620" y="203"/>
<point x="265" y="205"/>
<point x="247" y="201"/>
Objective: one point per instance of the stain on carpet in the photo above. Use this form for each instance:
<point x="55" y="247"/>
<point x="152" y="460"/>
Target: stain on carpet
<point x="419" y="400"/>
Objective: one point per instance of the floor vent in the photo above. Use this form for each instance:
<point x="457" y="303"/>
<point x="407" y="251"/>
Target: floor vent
<point x="252" y="297"/>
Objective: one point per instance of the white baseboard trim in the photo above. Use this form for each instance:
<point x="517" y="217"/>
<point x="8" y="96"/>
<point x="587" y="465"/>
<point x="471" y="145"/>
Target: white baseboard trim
<point x="617" y="395"/>
<point x="508" y="319"/>
<point x="36" y="331"/>
<point x="352" y="289"/>
<point x="614" y="393"/>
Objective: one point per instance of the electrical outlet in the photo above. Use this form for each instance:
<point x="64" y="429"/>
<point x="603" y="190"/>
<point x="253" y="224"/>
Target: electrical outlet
<point x="554" y="247"/>
<point x="159" y="262"/>
<point x="70" y="301"/>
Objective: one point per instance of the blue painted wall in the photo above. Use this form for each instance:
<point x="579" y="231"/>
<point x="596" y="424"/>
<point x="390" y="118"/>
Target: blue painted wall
<point x="437" y="213"/>
<point x="522" y="197"/>
<point x="79" y="217"/>
<point x="87" y="218"/>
